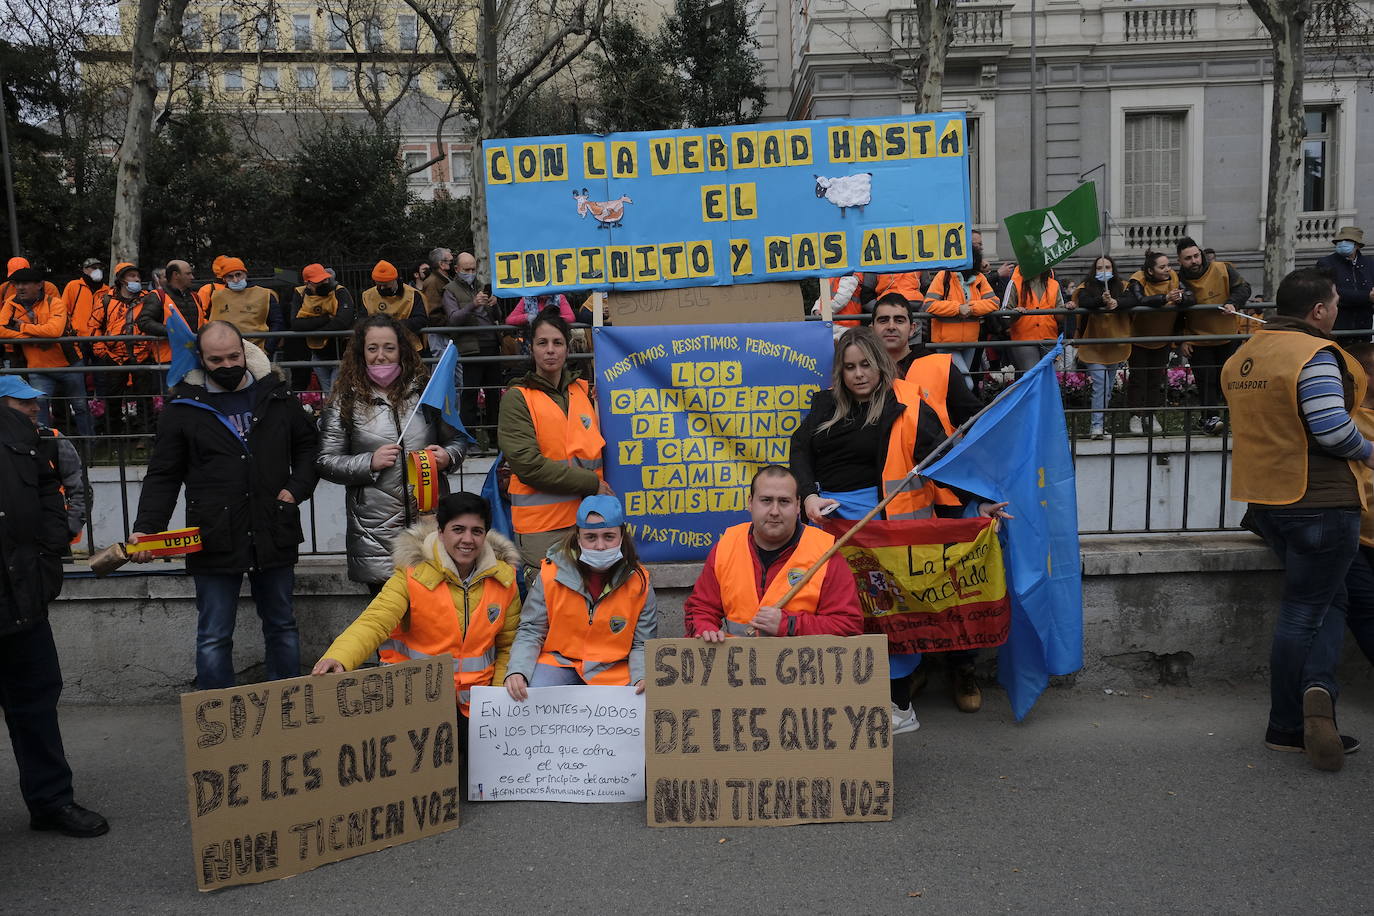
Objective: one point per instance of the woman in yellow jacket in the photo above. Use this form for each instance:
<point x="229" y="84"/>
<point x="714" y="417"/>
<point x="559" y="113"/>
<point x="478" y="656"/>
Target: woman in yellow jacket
<point x="590" y="609"/>
<point x="453" y="593"/>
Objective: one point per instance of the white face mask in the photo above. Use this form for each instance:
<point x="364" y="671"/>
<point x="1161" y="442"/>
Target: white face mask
<point x="97" y="275"/>
<point x="601" y="559"/>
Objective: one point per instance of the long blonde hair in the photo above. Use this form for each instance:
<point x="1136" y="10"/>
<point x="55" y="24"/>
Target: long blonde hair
<point x="877" y="355"/>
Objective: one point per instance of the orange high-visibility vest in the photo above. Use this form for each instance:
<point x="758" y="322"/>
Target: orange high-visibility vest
<point x="854" y="306"/>
<point x="930" y="375"/>
<point x="572" y="439"/>
<point x="246" y="309"/>
<point x="917" y="499"/>
<point x="739" y="587"/>
<point x="1035" y="327"/>
<point x="313" y="306"/>
<point x="908" y="284"/>
<point x="595" y="640"/>
<point x="439" y="627"/>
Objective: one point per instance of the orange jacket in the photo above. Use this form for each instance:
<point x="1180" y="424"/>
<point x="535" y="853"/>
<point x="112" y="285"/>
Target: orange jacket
<point x="1035" y="327"/>
<point x="114" y="317"/>
<point x="81" y="300"/>
<point x="48" y="319"/>
<point x="943" y="299"/>
<point x="907" y="284"/>
<point x="739" y="591"/>
<point x="595" y="640"/>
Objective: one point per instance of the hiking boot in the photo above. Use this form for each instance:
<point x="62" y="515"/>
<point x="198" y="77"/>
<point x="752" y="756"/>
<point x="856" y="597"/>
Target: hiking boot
<point x="967" y="695"/>
<point x="1320" y="739"/>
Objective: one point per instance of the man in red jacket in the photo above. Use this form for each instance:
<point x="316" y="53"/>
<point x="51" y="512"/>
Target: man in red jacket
<point x="754" y="564"/>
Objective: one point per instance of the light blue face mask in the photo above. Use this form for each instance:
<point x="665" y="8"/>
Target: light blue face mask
<point x="238" y="285"/>
<point x="134" y="286"/>
<point x="601" y="559"/>
<point x="1345" y="247"/>
<point x="1104" y="276"/>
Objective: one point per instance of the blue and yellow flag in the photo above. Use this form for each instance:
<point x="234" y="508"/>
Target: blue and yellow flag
<point x="1018" y="451"/>
<point x="442" y="394"/>
<point x="183" y="343"/>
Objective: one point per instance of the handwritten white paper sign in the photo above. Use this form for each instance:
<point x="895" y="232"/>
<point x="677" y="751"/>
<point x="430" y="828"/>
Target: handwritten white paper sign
<point x="569" y="744"/>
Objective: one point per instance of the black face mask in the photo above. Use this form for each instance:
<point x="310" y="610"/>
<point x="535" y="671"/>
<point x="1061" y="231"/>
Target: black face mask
<point x="324" y="288"/>
<point x="228" y="377"/>
<point x="386" y="291"/>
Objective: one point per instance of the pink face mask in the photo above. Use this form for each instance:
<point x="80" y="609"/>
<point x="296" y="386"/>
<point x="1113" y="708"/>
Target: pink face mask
<point x="384" y="375"/>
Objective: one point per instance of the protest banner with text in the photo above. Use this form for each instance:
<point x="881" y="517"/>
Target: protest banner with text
<point x="285" y="776"/>
<point x="568" y="744"/>
<point x="930" y="586"/>
<point x="716" y="206"/>
<point x="690" y="413"/>
<point x="768" y="732"/>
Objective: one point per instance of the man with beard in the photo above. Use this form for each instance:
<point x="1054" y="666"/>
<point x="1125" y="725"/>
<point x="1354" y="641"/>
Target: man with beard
<point x="1216" y="284"/>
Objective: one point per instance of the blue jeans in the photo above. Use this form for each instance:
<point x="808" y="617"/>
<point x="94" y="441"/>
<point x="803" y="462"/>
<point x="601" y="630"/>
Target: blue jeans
<point x="1102" y="377"/>
<point x="1359" y="606"/>
<point x="71" y="387"/>
<point x="966" y="359"/>
<point x="217" y="600"/>
<point x="1317" y="547"/>
<point x="554" y="676"/>
<point x="325" y="373"/>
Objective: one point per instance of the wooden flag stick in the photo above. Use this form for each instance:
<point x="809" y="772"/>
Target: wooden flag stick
<point x="873" y="513"/>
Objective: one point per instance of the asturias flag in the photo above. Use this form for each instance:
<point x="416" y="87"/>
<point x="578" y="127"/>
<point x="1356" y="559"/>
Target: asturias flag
<point x="1043" y="238"/>
<point x="441" y="394"/>
<point x="183" y="343"/>
<point x="1019" y="452"/>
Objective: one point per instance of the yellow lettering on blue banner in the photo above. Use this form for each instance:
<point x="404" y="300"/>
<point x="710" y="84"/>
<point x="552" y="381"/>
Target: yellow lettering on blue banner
<point x="594" y="163"/>
<point x="952" y="138"/>
<point x="922" y="139"/>
<point x="554" y="161"/>
<point x="872" y="250"/>
<point x="772" y="148"/>
<point x="508" y="274"/>
<point x="564" y="264"/>
<point x="952" y="240"/>
<point x="746" y="149"/>
<point x="741" y="258"/>
<point x="805" y="251"/>
<point x="691" y="156"/>
<point x="498" y="166"/>
<point x="717" y="153"/>
<point x="777" y="253"/>
<point x="527" y="164"/>
<point x="672" y="261"/>
<point x="799" y="146"/>
<point x="591" y="265"/>
<point x="619" y="264"/>
<point x="926" y="242"/>
<point x="700" y="260"/>
<point x="624" y="159"/>
<point x="834" y="250"/>
<point x="868" y="143"/>
<point x="663" y="156"/>
<point x="744" y="201"/>
<point x="714" y="203"/>
<point x="841" y="145"/>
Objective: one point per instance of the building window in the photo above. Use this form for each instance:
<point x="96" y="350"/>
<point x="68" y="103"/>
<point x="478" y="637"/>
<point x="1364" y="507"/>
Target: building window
<point x="199" y="80"/>
<point x="338" y="32"/>
<point x="192" y="31"/>
<point x="306" y="78"/>
<point x="414" y="160"/>
<point x="1152" y="182"/>
<point x="338" y="79"/>
<point x="460" y="166"/>
<point x="1318" y="155"/>
<point x="162" y="80"/>
<point x="233" y="79"/>
<point x="300" y="31"/>
<point x="408" y="29"/>
<point x="266" y="28"/>
<point x="268" y="78"/>
<point x="372" y="32"/>
<point x="229" y="31"/>
<point x="974" y="185"/>
<point x="445" y="24"/>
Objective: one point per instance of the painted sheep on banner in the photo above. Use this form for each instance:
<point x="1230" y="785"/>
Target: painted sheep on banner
<point x="846" y="191"/>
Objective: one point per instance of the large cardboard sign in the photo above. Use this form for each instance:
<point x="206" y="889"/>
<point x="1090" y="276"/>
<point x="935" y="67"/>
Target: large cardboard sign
<point x="568" y="744"/>
<point x="286" y="776"/>
<point x="933" y="585"/>
<point x="768" y="732"/>
<point x="717" y="206"/>
<point x="691" y="413"/>
<point x="757" y="302"/>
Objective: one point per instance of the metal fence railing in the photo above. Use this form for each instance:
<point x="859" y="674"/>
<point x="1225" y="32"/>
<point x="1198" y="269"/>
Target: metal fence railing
<point x="1154" y="469"/>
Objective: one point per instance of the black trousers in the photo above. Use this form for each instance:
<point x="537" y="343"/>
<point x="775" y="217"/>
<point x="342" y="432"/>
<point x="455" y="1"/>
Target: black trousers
<point x="476" y="377"/>
<point x="30" y="683"/>
<point x="1207" y="363"/>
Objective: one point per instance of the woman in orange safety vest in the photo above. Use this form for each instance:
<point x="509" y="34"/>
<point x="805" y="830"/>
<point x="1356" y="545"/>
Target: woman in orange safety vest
<point x="590" y="609"/>
<point x="453" y="593"/>
<point x="856" y="446"/>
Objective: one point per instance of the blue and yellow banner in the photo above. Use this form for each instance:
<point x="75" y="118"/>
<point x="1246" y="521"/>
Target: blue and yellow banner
<point x="722" y="205"/>
<point x="690" y="413"/>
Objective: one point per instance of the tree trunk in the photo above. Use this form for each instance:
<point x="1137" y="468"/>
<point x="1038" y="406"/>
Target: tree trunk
<point x="152" y="37"/>
<point x="1286" y="22"/>
<point x="936" y="20"/>
<point x="488" y="113"/>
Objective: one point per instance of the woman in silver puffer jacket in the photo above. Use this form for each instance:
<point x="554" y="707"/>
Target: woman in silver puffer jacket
<point x="380" y="381"/>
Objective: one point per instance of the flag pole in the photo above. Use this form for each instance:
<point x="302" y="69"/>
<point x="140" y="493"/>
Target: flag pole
<point x="401" y="436"/>
<point x="935" y="453"/>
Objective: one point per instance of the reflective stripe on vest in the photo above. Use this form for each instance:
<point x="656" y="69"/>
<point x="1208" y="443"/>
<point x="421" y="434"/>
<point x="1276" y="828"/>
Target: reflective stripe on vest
<point x="569" y="440"/>
<point x="930" y="375"/>
<point x="917" y="498"/>
<point x="444" y="622"/>
<point x="596" y="640"/>
<point x="739" y="586"/>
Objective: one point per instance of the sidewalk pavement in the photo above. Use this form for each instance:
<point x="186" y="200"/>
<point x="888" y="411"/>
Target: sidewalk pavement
<point x="1147" y="801"/>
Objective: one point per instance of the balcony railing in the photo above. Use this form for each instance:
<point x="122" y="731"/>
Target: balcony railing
<point x="1150" y="234"/>
<point x="973" y="25"/>
<point x="1160" y="23"/>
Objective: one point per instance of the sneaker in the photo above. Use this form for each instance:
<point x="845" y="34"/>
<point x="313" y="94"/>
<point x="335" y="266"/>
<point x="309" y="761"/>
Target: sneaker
<point x="1212" y="425"/>
<point x="1291" y="742"/>
<point x="1155" y="427"/>
<point x="904" y="720"/>
<point x="1137" y="429"/>
<point x="967" y="695"/>
<point x="1320" y="741"/>
<point x="1096" y="432"/>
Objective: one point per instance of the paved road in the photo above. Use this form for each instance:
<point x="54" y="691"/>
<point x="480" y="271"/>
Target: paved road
<point x="1158" y="803"/>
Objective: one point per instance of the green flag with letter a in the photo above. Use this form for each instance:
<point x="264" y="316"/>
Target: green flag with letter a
<point x="1043" y="238"/>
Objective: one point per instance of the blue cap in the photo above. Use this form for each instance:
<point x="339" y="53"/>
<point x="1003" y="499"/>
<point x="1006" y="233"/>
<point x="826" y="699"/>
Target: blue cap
<point x="14" y="386"/>
<point x="608" y="507"/>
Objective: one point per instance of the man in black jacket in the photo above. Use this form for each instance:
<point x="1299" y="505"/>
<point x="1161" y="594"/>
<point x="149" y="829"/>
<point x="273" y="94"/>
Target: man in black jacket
<point x="33" y="535"/>
<point x="245" y="450"/>
<point x="1354" y="279"/>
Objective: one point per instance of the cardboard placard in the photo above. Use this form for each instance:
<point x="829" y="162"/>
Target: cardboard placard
<point x="768" y="732"/>
<point x="749" y="303"/>
<point x="565" y="744"/>
<point x="285" y="776"/>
